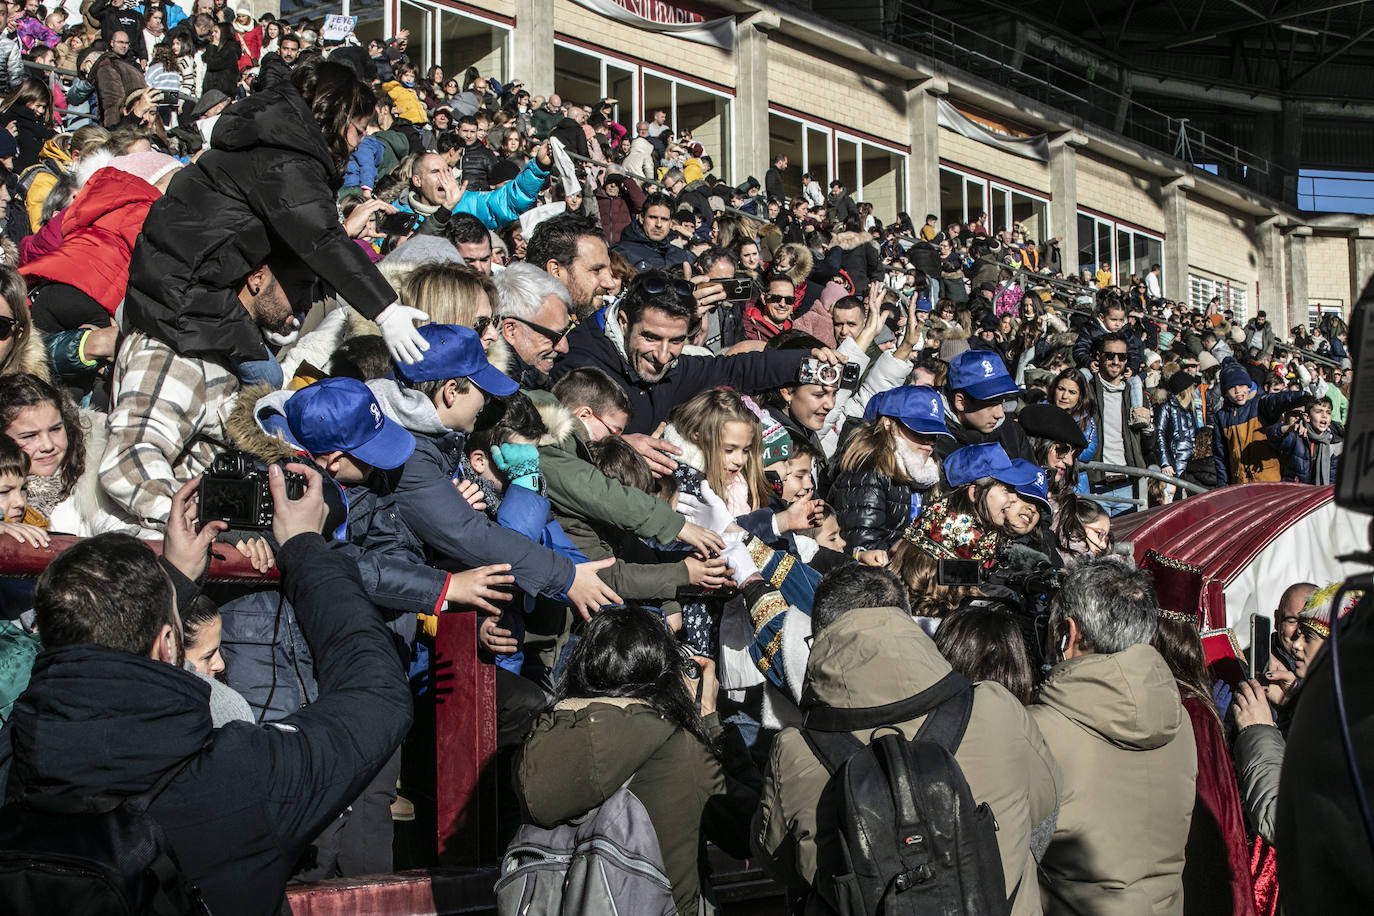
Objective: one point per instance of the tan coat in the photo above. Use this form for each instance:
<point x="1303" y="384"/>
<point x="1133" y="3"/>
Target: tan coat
<point x="1125" y="745"/>
<point x="875" y="656"/>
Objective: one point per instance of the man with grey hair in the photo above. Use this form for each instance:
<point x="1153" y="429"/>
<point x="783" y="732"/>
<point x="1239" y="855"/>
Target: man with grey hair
<point x="1111" y="714"/>
<point x="869" y="657"/>
<point x="533" y="316"/>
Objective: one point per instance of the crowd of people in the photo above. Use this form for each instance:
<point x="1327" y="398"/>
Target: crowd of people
<point x="720" y="468"/>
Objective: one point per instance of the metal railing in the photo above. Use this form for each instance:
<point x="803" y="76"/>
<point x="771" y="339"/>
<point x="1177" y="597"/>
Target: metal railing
<point x="1076" y="89"/>
<point x="1140" y="478"/>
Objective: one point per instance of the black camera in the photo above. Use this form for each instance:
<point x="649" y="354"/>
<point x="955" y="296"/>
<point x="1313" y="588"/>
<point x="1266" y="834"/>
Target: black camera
<point x="234" y="490"/>
<point x="815" y="372"/>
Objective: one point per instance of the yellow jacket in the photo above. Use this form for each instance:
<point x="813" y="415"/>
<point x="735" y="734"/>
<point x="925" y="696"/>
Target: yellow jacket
<point x="43" y="181"/>
<point x="407" y="102"/>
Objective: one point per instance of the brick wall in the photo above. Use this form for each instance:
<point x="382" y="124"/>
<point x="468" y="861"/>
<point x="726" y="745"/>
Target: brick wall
<point x="1328" y="269"/>
<point x="652" y="49"/>
<point x="1222" y="244"/>
<point x="1111" y="189"/>
<point x="960" y="150"/>
<point x="802" y="77"/>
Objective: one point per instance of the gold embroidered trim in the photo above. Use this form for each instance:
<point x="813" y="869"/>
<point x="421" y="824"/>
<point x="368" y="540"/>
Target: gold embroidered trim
<point x="783" y="568"/>
<point x="766" y="608"/>
<point x="1315" y="625"/>
<point x="769" y="651"/>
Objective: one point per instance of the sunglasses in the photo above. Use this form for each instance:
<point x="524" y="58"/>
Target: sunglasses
<point x="1114" y="357"/>
<point x="555" y="337"/>
<point x="481" y="324"/>
<point x="773" y="299"/>
<point x="7" y="327"/>
<point x="654" y="284"/>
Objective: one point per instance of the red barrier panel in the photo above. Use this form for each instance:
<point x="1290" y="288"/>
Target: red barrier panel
<point x="464" y="745"/>
<point x="20" y="561"/>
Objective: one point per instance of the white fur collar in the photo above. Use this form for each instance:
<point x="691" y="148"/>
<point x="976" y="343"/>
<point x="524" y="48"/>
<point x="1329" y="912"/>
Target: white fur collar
<point x="692" y="456"/>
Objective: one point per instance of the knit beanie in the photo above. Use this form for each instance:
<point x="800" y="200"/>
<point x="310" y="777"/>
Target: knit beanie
<point x="1233" y="374"/>
<point x="777" y="443"/>
<point x="1180" y="381"/>
<point x="151" y="167"/>
<point x="1206" y="361"/>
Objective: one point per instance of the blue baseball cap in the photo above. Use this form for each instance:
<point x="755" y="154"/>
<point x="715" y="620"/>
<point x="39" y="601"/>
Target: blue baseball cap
<point x="341" y="415"/>
<point x="1038" y="490"/>
<point x="980" y="373"/>
<point x="917" y="407"/>
<point x="455" y="352"/>
<point x="974" y="462"/>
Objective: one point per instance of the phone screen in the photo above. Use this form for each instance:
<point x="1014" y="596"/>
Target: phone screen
<point x="958" y="572"/>
<point x="1260" y="629"/>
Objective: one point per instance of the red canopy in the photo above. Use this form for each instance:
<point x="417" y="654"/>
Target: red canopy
<point x="1220" y="531"/>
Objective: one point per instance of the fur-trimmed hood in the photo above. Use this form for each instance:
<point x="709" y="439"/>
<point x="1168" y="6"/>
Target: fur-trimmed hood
<point x="692" y="455"/>
<point x="952" y="330"/>
<point x="851" y="240"/>
<point x="559" y="423"/>
<point x="802" y="262"/>
<point x="257" y="424"/>
<point x="32" y="356"/>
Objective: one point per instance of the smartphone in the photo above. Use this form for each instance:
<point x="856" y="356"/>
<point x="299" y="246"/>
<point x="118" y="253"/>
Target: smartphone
<point x="739" y="289"/>
<point x="958" y="572"/>
<point x="1258" y="654"/>
<point x="398" y="223"/>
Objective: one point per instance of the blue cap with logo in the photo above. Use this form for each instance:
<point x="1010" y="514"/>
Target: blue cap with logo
<point x="1038" y="490"/>
<point x="974" y="462"/>
<point x="455" y="352"/>
<point x="917" y="407"/>
<point x="980" y="373"/>
<point x="341" y="415"/>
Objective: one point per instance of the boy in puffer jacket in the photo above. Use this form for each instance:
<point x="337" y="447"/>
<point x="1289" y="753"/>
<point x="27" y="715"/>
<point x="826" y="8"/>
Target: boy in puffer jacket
<point x="1310" y="444"/>
<point x="1242" y="448"/>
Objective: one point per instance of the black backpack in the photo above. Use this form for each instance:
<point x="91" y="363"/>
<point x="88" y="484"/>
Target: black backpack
<point x="897" y="829"/>
<point x="99" y="856"/>
<point x="17" y="210"/>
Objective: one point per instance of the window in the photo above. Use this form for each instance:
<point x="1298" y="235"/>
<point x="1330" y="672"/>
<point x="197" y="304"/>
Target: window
<point x="1233" y="295"/>
<point x="441" y="37"/>
<point x="582" y="77"/>
<point x="873" y="173"/>
<point x="1125" y="250"/>
<point x="1316" y="308"/>
<point x="965" y="197"/>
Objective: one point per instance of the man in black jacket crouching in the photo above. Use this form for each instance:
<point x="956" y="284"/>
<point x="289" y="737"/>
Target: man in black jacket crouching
<point x="109" y="710"/>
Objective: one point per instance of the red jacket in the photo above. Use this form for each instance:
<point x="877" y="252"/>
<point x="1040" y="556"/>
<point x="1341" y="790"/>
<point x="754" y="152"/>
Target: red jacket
<point x="98" y="234"/>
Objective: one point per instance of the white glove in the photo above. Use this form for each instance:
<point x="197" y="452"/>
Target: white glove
<point x="710" y="511"/>
<point x="737" y="555"/>
<point x="397" y="323"/>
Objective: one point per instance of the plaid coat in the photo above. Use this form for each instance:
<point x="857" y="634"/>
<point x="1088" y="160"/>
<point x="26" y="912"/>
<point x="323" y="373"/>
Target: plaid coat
<point x="167" y="423"/>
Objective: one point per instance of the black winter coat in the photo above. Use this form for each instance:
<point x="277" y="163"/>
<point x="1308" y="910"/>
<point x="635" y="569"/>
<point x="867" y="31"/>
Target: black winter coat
<point x="265" y="187"/>
<point x="644" y="253"/>
<point x="747" y="373"/>
<point x="98" y="721"/>
<point x="222" y="69"/>
<point x="477" y="163"/>
<point x="872" y="509"/>
<point x="31" y="134"/>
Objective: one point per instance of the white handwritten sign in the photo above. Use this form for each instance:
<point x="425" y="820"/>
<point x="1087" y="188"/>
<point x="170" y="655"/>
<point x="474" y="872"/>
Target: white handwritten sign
<point x="337" y="28"/>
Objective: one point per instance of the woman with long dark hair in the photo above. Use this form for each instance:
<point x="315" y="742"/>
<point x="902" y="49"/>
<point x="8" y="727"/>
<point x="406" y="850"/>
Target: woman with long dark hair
<point x="1217" y="843"/>
<point x="266" y="189"/>
<point x="1069" y="391"/>
<point x="628" y="713"/>
<point x="29" y="109"/>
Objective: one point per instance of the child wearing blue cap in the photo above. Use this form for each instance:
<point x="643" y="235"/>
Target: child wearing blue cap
<point x="888" y="468"/>
<point x="976" y="390"/>
<point x="442" y="395"/>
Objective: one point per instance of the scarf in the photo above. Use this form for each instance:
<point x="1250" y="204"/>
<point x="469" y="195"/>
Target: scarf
<point x="1323" y="450"/>
<point x="44" y="493"/>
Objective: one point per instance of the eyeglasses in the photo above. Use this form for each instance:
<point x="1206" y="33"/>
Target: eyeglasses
<point x="610" y="427"/>
<point x="481" y="324"/>
<point x="555" y="337"/>
<point x="1103" y="534"/>
<point x="8" y="326"/>
<point x="1114" y="357"/>
<point x="654" y="284"/>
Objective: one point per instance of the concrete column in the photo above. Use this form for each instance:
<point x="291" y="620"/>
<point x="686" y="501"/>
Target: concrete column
<point x="532" y="45"/>
<point x="1272" y="288"/>
<point x="1295" y="256"/>
<point x="1175" y="200"/>
<point x="1361" y="268"/>
<point x="923" y="133"/>
<point x="751" y="147"/>
<point x="1064" y="196"/>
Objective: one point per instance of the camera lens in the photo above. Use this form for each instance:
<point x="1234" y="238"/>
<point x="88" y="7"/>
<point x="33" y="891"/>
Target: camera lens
<point x="827" y="374"/>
